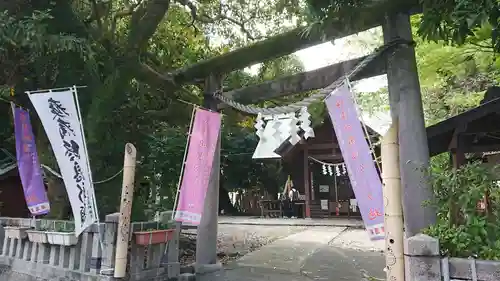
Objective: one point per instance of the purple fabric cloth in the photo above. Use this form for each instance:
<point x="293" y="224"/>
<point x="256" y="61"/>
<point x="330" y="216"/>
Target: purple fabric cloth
<point x="28" y="164"/>
<point x="363" y="175"/>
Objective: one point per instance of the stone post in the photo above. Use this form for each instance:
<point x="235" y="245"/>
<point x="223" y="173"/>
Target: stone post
<point x="406" y="107"/>
<point x="173" y="266"/>
<point x="424" y="261"/>
<point x="109" y="244"/>
<point x="206" y="241"/>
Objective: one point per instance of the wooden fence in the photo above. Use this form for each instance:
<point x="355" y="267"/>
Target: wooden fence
<point x="424" y="263"/>
<point x="90" y="258"/>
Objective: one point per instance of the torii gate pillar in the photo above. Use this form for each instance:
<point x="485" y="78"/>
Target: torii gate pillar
<point x="206" y="240"/>
<point x="406" y="107"/>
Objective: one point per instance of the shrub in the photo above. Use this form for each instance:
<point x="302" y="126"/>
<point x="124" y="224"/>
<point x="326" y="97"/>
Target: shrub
<point x="463" y="228"/>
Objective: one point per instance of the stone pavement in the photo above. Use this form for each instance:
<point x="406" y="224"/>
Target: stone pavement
<point x="339" y="222"/>
<point x="318" y="253"/>
<point x="287" y="253"/>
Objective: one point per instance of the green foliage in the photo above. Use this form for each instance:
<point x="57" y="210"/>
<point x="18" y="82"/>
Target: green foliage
<point x="125" y="54"/>
<point x="239" y="170"/>
<point x="322" y="9"/>
<point x="237" y="23"/>
<point x="160" y="168"/>
<point x="462" y="229"/>
<point x="28" y="40"/>
<point x="455" y="21"/>
<point x="55" y="226"/>
<point x="448" y="21"/>
<point x="452" y="78"/>
<point x="373" y="102"/>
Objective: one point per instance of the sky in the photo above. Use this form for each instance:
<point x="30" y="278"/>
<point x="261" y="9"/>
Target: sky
<point x="341" y="50"/>
<point x="327" y="53"/>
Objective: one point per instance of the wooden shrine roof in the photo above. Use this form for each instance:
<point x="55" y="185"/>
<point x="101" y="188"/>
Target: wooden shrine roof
<point x="480" y="120"/>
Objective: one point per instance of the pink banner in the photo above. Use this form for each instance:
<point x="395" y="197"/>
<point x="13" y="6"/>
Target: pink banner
<point x="198" y="166"/>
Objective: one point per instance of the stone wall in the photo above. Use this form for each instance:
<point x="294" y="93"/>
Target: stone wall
<point x="90" y="257"/>
<point x="426" y="264"/>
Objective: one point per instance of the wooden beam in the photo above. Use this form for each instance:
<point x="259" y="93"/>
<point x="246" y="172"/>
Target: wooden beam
<point x="294" y="40"/>
<point x="469" y="116"/>
<point x="307" y="185"/>
<point x="316" y="146"/>
<point x="305" y="81"/>
<point x="325" y="157"/>
<point x="481" y="148"/>
<point x="454" y="144"/>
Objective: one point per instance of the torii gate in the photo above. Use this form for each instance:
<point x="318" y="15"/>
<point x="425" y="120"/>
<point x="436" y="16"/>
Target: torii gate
<point x="405" y="103"/>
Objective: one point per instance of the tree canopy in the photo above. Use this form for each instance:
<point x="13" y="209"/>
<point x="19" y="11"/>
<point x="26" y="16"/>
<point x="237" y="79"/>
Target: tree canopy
<point x="452" y="78"/>
<point x="125" y="53"/>
<point x="133" y="56"/>
<point x="448" y="21"/>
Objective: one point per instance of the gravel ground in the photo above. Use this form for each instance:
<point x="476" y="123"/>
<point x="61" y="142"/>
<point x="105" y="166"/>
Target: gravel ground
<point x="235" y="241"/>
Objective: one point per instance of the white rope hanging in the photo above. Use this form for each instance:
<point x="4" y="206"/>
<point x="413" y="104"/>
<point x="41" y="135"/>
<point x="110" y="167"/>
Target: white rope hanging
<point x="337" y="169"/>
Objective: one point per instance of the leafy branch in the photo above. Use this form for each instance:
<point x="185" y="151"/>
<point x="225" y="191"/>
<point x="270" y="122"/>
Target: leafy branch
<point x="221" y="15"/>
<point x="28" y="40"/>
<point x="449" y="21"/>
<point x="467" y="201"/>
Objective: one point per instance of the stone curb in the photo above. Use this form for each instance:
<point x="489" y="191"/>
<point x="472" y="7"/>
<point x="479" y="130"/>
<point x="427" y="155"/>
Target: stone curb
<point x="201" y="269"/>
<point x="301" y="224"/>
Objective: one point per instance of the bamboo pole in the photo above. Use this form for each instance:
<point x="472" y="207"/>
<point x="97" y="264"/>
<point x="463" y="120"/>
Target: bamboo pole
<point x="125" y="211"/>
<point x="393" y="217"/>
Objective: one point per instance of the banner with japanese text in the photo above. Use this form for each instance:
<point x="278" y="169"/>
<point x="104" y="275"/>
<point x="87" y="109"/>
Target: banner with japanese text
<point x="28" y="164"/>
<point x="363" y="175"/>
<point x="198" y="167"/>
<point x="60" y="119"/>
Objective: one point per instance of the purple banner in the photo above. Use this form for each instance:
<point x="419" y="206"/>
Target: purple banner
<point x="28" y="164"/>
<point x="363" y="175"/>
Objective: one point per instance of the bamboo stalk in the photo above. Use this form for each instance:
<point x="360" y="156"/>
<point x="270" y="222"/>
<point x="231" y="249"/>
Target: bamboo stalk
<point x="123" y="236"/>
<point x="393" y="219"/>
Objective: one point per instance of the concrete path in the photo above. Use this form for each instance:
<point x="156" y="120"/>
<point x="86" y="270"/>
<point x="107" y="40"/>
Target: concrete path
<point x="318" y="253"/>
<point x="291" y="252"/>
<point x="331" y="263"/>
<point x="339" y="222"/>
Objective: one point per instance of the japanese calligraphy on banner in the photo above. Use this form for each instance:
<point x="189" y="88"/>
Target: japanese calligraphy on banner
<point x="60" y="119"/>
<point x="363" y="175"/>
<point x="28" y="164"/>
<point x="199" y="161"/>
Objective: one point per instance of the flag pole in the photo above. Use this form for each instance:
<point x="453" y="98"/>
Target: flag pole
<point x="41" y="91"/>
<point x="77" y="103"/>
<point x="183" y="162"/>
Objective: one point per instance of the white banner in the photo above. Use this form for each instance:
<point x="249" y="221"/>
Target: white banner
<point x="60" y="119"/>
